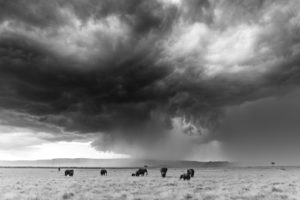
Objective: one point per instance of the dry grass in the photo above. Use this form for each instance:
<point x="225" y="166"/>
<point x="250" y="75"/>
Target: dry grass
<point x="209" y="184"/>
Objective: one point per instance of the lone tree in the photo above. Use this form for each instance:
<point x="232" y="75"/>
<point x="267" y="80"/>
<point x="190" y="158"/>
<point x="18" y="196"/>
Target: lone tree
<point x="272" y="163"/>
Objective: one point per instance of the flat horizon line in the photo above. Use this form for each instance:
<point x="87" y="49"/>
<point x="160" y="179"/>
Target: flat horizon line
<point x="150" y="159"/>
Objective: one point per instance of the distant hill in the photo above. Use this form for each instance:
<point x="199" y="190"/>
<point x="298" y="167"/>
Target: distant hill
<point x="118" y="163"/>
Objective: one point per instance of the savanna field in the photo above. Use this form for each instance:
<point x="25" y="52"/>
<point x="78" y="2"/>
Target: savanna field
<point x="208" y="184"/>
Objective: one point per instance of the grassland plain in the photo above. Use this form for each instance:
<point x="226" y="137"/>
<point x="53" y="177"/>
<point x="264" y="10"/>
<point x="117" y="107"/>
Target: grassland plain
<point x="208" y="184"/>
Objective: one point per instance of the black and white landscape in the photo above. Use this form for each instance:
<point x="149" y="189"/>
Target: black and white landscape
<point x="212" y="85"/>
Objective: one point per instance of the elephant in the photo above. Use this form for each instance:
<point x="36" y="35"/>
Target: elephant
<point x="185" y="177"/>
<point x="103" y="172"/>
<point x="163" y="172"/>
<point x="191" y="172"/>
<point x="69" y="172"/>
<point x="141" y="171"/>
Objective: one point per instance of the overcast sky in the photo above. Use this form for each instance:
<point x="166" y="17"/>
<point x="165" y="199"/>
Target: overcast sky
<point x="170" y="79"/>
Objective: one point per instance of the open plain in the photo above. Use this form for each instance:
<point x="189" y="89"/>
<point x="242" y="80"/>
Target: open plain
<point x="208" y="184"/>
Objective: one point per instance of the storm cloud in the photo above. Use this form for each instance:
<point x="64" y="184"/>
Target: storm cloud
<point x="130" y="74"/>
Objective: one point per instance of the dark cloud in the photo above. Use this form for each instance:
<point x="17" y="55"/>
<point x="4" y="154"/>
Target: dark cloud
<point x="263" y="130"/>
<point x="123" y="72"/>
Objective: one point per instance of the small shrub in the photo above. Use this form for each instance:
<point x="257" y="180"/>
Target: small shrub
<point x="274" y="189"/>
<point x="188" y="196"/>
<point x="68" y="195"/>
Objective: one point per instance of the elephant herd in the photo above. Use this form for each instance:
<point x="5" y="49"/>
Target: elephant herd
<point x="187" y="176"/>
<point x="68" y="172"/>
<point x="142" y="172"/>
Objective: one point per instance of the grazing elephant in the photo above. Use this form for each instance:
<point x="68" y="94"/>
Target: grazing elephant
<point x="185" y="177"/>
<point x="69" y="172"/>
<point x="141" y="171"/>
<point x="103" y="172"/>
<point x="163" y="172"/>
<point x="191" y="172"/>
